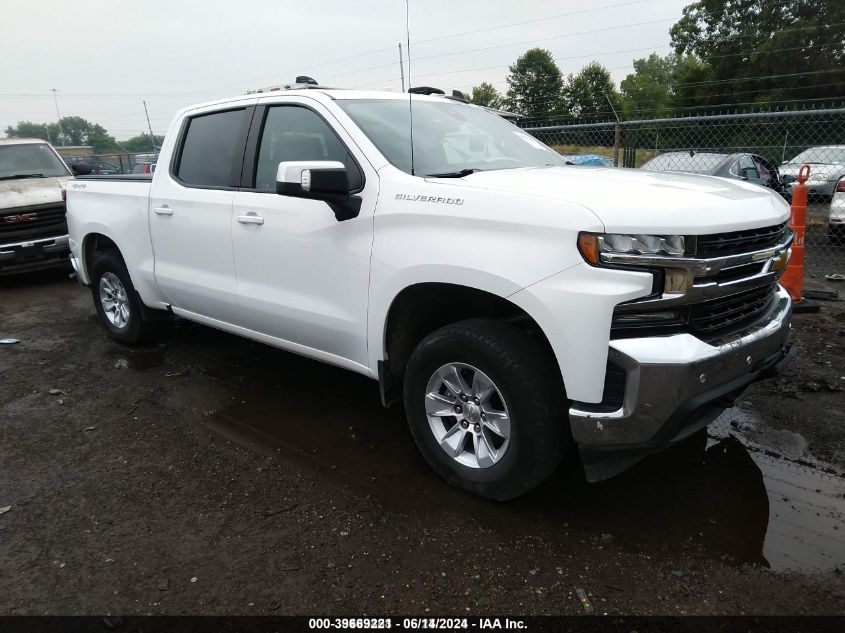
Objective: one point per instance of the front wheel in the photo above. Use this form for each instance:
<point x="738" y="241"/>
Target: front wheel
<point x="486" y="406"/>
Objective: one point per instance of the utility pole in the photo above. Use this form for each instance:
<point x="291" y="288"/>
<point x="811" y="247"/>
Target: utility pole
<point x="152" y="136"/>
<point x="401" y="67"/>
<point x="58" y="116"/>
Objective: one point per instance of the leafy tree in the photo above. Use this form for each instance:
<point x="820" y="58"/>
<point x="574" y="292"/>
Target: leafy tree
<point x="659" y="85"/>
<point x="143" y="142"/>
<point x="589" y="93"/>
<point x="486" y="95"/>
<point x="534" y="85"/>
<point x="74" y="131"/>
<point x="757" y="49"/>
<point x="26" y="129"/>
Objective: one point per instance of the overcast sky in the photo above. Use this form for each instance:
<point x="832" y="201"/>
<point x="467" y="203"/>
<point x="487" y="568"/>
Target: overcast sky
<point x="104" y="57"/>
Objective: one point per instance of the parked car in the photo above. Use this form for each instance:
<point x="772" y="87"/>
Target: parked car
<point x="33" y="230"/>
<point x="827" y="168"/>
<point x="836" y="224"/>
<point x="143" y="168"/>
<point x="740" y="166"/>
<point x="515" y="304"/>
<point x="589" y="160"/>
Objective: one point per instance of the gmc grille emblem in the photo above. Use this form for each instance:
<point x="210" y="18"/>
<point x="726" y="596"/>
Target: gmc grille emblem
<point x="18" y="219"/>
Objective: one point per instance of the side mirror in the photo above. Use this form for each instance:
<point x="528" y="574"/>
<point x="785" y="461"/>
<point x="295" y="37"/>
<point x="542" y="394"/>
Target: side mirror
<point x="325" y="180"/>
<point x="80" y="169"/>
<point x="312" y="179"/>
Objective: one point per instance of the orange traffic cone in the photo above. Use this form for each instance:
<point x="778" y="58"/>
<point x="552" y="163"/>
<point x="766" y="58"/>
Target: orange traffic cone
<point x="793" y="276"/>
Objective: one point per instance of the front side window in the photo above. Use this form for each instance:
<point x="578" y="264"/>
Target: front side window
<point x="209" y="148"/>
<point x="293" y="133"/>
<point x="30" y="160"/>
<point x="448" y="137"/>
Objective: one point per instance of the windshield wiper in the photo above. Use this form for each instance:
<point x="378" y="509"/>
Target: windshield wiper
<point x="454" y="174"/>
<point x="18" y="176"/>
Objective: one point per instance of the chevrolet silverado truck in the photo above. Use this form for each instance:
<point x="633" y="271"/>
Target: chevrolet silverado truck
<point x="518" y="306"/>
<point x="33" y="230"/>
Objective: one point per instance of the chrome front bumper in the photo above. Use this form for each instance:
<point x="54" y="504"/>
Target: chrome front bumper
<point x="33" y="254"/>
<point x="674" y="386"/>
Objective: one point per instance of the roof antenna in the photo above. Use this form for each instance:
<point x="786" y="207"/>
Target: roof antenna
<point x="410" y="106"/>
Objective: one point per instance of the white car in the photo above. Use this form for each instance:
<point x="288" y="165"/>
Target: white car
<point x="514" y="303"/>
<point x="836" y="225"/>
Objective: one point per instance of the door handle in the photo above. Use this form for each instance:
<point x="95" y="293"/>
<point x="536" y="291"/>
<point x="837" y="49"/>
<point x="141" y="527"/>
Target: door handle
<point x="163" y="211"/>
<point x="250" y="218"/>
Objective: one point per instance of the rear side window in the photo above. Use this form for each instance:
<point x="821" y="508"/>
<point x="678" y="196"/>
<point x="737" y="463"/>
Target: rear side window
<point x="208" y="149"/>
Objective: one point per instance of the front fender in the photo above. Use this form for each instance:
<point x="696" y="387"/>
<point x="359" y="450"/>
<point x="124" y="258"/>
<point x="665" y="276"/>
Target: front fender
<point x="574" y="308"/>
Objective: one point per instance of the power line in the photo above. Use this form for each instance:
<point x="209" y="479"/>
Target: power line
<point x="551" y="17"/>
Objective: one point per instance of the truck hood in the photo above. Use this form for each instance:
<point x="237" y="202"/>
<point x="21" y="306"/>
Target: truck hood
<point x="30" y="191"/>
<point x="631" y="200"/>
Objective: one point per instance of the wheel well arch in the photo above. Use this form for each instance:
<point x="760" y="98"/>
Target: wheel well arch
<point x="96" y="243"/>
<point x="420" y="309"/>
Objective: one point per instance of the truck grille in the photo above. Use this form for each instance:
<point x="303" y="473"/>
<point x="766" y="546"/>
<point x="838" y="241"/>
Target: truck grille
<point x="710" y="319"/>
<point x="738" y="242"/>
<point x="48" y="221"/>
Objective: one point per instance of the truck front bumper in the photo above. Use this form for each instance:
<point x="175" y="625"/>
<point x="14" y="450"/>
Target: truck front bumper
<point x="674" y="386"/>
<point x="30" y="255"/>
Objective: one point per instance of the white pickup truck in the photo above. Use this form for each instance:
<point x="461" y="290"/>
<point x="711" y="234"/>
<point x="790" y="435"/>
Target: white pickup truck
<point x="515" y="304"/>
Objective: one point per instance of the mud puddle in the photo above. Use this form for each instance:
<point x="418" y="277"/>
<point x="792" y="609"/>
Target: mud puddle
<point x="721" y="494"/>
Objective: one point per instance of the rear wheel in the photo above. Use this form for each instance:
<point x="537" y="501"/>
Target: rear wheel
<point x="117" y="303"/>
<point x="486" y="407"/>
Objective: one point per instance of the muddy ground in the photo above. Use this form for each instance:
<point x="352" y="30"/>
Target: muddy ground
<point x="212" y="475"/>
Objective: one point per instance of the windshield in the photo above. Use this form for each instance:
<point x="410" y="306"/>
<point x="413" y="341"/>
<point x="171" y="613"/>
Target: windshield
<point x="33" y="160"/>
<point x="821" y="155"/>
<point x="449" y="137"/>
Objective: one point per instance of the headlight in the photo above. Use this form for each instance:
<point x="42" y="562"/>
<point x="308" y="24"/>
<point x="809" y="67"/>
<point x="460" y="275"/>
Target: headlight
<point x="820" y="177"/>
<point x="593" y="245"/>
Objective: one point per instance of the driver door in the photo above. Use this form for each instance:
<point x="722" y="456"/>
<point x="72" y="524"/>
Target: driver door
<point x="302" y="275"/>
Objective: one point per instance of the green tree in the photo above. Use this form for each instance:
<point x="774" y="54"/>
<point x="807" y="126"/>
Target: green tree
<point x="143" y="143"/>
<point x="485" y="94"/>
<point x="757" y="49"/>
<point x="534" y="85"/>
<point x="74" y="131"/>
<point x="589" y="93"/>
<point x="660" y="85"/>
<point x="27" y="129"/>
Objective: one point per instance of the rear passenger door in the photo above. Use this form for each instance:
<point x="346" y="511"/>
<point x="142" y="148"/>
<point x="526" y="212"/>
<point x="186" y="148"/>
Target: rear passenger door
<point x="191" y="210"/>
<point x="303" y="276"/>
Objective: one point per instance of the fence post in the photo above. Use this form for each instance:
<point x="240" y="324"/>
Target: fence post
<point x="617" y="137"/>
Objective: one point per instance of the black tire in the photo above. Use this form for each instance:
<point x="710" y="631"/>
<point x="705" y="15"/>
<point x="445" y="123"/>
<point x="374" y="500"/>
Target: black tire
<point x="137" y="329"/>
<point x="528" y="379"/>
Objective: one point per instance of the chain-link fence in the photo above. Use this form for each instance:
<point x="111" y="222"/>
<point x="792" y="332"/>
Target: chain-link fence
<point x="765" y="148"/>
<point x="110" y="164"/>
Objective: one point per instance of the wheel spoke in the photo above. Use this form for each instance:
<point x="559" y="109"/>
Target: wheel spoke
<point x="499" y="422"/>
<point x="452" y="378"/>
<point x="484" y="451"/>
<point x="453" y="441"/>
<point x="438" y="405"/>
<point x="482" y="386"/>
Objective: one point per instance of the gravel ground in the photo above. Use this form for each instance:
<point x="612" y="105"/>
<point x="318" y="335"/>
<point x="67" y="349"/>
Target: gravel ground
<point x="212" y="475"/>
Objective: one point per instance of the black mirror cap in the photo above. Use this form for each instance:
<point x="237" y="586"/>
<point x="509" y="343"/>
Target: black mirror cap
<point x="81" y="169"/>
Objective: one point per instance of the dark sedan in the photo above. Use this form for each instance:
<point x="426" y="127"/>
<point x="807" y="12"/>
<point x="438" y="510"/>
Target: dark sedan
<point x="741" y="166"/>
